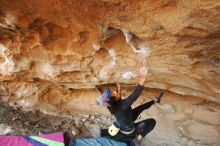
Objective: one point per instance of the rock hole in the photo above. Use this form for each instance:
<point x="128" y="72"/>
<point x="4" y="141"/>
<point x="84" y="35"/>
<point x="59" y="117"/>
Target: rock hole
<point x="107" y="32"/>
<point x="137" y="44"/>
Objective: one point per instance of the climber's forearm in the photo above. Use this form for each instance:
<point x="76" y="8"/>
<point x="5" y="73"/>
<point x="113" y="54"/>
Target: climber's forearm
<point x="143" y="74"/>
<point x="119" y="88"/>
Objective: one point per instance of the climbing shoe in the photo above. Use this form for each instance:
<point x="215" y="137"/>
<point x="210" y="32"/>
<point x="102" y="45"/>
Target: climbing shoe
<point x="159" y="97"/>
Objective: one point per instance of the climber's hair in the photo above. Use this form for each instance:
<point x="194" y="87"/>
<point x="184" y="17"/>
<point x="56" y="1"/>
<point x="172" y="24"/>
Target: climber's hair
<point x="112" y="107"/>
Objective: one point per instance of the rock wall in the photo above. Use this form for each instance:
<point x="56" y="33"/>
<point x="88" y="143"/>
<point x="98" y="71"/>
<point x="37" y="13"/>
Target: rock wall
<point x="55" y="54"/>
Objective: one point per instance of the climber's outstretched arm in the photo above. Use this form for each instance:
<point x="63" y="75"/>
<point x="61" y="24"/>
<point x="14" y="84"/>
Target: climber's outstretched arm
<point x="133" y="97"/>
<point x="143" y="73"/>
<point x="119" y="88"/>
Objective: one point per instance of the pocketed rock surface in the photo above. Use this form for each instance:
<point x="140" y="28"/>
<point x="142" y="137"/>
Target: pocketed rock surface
<point x="56" y="55"/>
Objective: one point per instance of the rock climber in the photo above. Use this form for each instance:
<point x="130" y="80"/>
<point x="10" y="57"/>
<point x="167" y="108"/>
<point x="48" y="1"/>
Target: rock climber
<point x="125" y="128"/>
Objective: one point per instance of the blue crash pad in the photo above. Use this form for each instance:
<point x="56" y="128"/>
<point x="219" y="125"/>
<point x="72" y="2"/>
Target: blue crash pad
<point x="101" y="141"/>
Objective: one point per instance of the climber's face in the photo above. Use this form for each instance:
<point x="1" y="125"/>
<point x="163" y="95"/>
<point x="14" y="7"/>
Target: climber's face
<point x="116" y="95"/>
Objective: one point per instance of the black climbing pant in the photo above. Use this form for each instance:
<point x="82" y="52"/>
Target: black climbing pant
<point x="138" y="110"/>
<point x="141" y="128"/>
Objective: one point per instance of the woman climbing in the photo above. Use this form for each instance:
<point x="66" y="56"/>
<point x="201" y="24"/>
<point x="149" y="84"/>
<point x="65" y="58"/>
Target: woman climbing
<point x="124" y="128"/>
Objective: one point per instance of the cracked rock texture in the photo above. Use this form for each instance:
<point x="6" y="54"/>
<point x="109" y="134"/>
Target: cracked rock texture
<point x="55" y="54"/>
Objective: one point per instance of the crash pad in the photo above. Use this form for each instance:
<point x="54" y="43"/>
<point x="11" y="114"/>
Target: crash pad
<point x="54" y="139"/>
<point x="101" y="141"/>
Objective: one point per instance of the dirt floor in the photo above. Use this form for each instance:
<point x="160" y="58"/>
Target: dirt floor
<point x="15" y="121"/>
